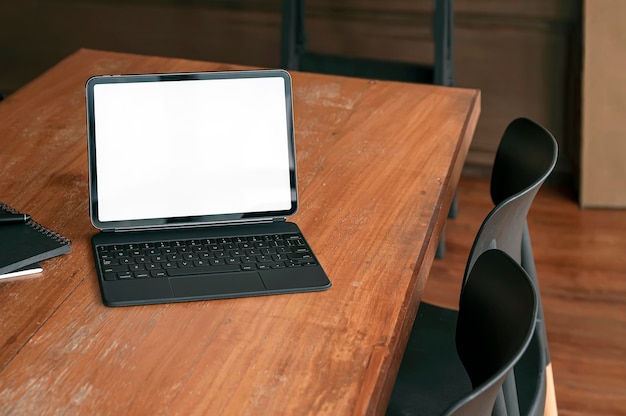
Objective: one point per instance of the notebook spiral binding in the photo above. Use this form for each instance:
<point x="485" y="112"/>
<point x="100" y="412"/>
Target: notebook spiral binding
<point x="8" y="209"/>
<point x="48" y="232"/>
<point x="35" y="225"/>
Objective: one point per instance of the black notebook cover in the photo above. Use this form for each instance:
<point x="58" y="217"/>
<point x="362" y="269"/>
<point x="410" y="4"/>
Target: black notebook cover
<point x="27" y="243"/>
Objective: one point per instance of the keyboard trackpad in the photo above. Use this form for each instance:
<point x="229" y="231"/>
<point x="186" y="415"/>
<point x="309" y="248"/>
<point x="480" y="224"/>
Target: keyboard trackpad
<point x="217" y="284"/>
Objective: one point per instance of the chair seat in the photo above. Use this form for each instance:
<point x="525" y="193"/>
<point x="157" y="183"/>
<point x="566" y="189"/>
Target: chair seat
<point x="431" y="376"/>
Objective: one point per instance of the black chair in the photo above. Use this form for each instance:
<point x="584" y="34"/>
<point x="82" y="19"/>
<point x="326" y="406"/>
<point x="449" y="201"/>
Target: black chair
<point x="296" y="56"/>
<point x="525" y="158"/>
<point x="511" y="175"/>
<point x="496" y="319"/>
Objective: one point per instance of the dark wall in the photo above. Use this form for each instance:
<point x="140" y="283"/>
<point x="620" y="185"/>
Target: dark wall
<point x="523" y="55"/>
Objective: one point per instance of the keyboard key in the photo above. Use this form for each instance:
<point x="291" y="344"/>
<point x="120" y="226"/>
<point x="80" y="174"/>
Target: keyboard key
<point x="109" y="276"/>
<point x="299" y="256"/>
<point x="263" y="259"/>
<point x="115" y="269"/>
<point x="203" y="270"/>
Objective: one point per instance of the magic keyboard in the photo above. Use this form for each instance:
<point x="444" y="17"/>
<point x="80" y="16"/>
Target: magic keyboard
<point x="203" y="256"/>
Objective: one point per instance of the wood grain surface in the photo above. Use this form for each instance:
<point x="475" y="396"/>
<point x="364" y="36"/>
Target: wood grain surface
<point x="378" y="163"/>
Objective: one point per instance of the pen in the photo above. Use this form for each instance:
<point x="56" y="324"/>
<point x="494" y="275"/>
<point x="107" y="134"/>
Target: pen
<point x="13" y="218"/>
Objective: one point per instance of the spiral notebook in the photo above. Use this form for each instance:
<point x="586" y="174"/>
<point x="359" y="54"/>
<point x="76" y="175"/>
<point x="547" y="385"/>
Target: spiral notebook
<point x="27" y="243"/>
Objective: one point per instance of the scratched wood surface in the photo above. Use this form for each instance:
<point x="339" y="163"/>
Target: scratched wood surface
<point x="378" y="163"/>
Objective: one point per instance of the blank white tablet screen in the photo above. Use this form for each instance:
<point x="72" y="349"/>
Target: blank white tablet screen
<point x="195" y="147"/>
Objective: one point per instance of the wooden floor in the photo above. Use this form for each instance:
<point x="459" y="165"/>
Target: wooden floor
<point x="581" y="265"/>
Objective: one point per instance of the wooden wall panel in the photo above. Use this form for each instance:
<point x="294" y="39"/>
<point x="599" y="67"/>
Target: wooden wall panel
<point x="603" y="169"/>
<point x="515" y="51"/>
<point x="35" y="34"/>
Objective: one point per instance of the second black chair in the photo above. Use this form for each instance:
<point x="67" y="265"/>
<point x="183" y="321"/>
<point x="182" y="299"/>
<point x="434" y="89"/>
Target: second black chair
<point x="295" y="54"/>
<point x="496" y="320"/>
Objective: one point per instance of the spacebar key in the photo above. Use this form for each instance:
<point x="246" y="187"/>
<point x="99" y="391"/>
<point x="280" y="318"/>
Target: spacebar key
<point x="187" y="271"/>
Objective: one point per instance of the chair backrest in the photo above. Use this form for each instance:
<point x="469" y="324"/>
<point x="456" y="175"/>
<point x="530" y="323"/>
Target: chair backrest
<point x="526" y="155"/>
<point x="497" y="317"/>
<point x="294" y="54"/>
<point x="525" y="158"/>
<point x="443" y="34"/>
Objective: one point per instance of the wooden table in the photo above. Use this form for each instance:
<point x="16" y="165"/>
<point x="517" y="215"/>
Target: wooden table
<point x="378" y="163"/>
